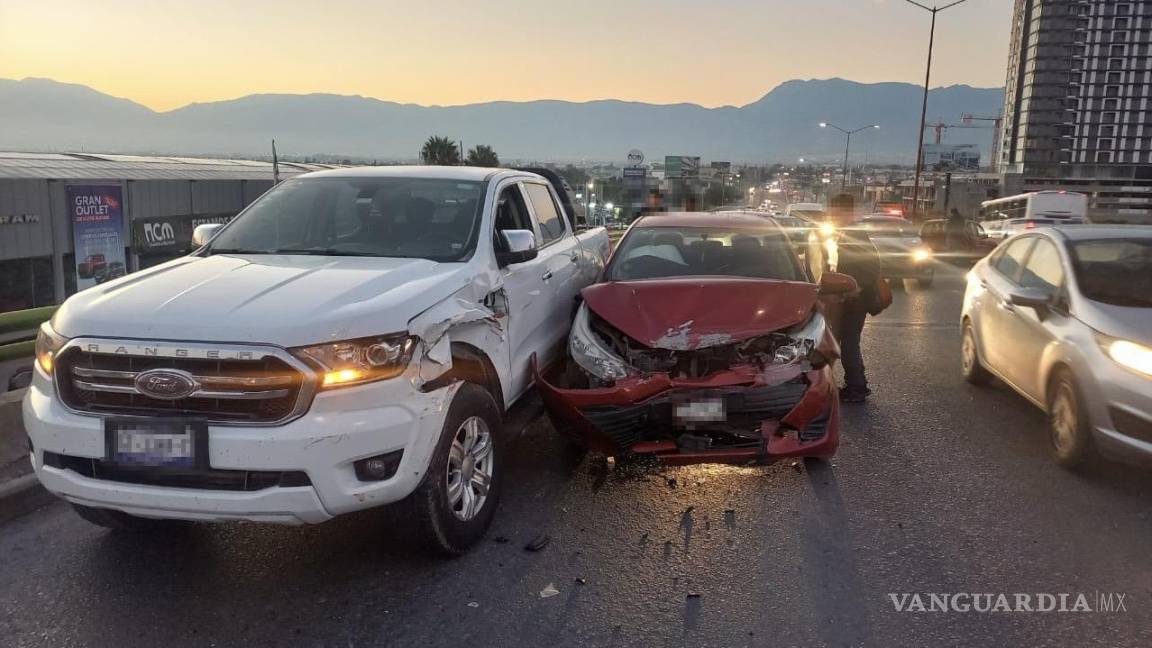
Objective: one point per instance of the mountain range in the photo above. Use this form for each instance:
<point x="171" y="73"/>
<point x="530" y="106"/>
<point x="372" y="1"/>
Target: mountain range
<point x="46" y="115"/>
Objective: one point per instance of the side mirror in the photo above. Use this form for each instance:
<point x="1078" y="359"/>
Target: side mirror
<point x="515" y="246"/>
<point x="1037" y="298"/>
<point x="204" y="233"/>
<point x="835" y="283"/>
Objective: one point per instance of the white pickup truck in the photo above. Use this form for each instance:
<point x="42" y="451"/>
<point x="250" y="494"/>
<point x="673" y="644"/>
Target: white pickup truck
<point x="352" y="339"/>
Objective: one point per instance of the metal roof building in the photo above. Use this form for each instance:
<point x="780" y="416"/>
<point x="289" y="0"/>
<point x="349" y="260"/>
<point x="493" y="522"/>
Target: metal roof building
<point x="125" y="212"/>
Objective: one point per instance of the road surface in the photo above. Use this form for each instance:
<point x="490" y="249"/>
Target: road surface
<point x="938" y="488"/>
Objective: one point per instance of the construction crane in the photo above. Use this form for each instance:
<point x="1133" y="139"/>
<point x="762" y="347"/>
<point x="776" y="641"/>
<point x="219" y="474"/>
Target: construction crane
<point x="997" y="124"/>
<point x="940" y="127"/>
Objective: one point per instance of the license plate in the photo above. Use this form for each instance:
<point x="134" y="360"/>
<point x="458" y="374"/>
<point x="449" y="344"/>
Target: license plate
<point x="156" y="442"/>
<point x="701" y="411"/>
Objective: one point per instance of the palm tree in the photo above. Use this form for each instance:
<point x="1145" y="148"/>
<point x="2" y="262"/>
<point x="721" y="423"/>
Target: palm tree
<point x="483" y="156"/>
<point x="440" y="151"/>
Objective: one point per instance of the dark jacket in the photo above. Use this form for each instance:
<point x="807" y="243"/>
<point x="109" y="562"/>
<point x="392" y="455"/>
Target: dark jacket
<point x="859" y="258"/>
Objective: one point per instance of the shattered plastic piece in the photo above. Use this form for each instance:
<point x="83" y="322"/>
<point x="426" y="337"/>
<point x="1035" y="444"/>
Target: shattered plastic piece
<point x="581" y="581"/>
<point x="538" y="543"/>
<point x="473" y="604"/>
<point x="796" y="466"/>
<point x="549" y="591"/>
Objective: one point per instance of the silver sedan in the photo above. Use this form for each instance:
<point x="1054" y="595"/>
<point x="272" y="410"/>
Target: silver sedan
<point x="1064" y="317"/>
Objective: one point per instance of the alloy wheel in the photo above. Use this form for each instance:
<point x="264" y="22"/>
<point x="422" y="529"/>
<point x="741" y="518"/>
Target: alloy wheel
<point x="1064" y="418"/>
<point x="470" y="464"/>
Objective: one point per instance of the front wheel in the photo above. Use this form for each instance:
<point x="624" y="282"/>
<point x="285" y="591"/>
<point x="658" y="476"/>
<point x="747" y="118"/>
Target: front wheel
<point x="457" y="500"/>
<point x="1067" y="422"/>
<point x="970" y="365"/>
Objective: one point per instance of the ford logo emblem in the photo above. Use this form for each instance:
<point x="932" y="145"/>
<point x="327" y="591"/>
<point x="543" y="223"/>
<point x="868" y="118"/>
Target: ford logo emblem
<point x="165" y="384"/>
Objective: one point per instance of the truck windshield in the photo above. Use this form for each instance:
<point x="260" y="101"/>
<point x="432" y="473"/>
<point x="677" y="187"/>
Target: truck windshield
<point x="656" y="252"/>
<point x="357" y="216"/>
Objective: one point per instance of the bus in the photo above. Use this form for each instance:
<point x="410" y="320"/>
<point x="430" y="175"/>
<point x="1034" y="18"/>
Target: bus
<point x="1004" y="217"/>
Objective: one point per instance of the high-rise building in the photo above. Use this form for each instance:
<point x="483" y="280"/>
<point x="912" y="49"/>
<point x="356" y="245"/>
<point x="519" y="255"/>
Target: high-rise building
<point x="1077" y="114"/>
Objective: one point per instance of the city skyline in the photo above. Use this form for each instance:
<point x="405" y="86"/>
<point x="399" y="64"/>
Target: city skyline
<point x="167" y="55"/>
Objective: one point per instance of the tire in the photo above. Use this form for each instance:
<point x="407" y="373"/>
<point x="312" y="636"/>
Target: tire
<point x="449" y="520"/>
<point x="1068" y="427"/>
<point x="123" y="522"/>
<point x="971" y="367"/>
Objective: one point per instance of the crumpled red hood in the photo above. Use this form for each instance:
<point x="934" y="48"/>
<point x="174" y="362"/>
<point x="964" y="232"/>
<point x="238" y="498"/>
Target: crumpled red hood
<point x="696" y="313"/>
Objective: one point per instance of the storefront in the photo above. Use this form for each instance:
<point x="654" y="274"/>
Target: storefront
<point x="162" y="238"/>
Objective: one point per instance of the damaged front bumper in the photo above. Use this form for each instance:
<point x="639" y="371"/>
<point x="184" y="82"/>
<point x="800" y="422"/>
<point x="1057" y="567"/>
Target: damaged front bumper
<point x="757" y="417"/>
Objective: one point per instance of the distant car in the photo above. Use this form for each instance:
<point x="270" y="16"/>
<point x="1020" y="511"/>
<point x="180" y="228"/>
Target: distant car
<point x="902" y="251"/>
<point x="1064" y="317"/>
<point x="94" y="265"/>
<point x="798" y="229"/>
<point x="974" y="244"/>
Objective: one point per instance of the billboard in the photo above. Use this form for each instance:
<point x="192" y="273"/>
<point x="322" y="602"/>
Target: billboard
<point x="681" y="166"/>
<point x="97" y="214"/>
<point x="170" y="234"/>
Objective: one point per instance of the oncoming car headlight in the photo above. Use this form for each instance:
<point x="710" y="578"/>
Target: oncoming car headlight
<point x="48" y="344"/>
<point x="355" y="362"/>
<point x="921" y="254"/>
<point x="590" y="353"/>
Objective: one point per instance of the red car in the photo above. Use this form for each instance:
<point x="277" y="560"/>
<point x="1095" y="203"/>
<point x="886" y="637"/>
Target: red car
<point x="705" y="342"/>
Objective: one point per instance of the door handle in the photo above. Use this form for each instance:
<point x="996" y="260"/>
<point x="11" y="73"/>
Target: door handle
<point x="547" y="275"/>
<point x="575" y="257"/>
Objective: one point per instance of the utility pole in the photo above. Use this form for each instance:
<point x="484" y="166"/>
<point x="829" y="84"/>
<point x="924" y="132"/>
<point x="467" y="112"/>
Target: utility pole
<point x="924" y="105"/>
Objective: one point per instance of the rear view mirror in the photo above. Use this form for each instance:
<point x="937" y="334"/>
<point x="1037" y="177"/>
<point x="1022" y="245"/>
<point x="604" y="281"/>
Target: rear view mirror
<point x="204" y="233"/>
<point x="1037" y="298"/>
<point x="835" y="283"/>
<point x="515" y="246"/>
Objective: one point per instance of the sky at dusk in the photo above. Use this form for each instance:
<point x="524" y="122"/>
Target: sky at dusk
<point x="168" y="53"/>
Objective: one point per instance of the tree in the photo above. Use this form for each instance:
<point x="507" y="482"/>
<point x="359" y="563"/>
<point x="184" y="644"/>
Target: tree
<point x="483" y="156"/>
<point x="440" y="151"/>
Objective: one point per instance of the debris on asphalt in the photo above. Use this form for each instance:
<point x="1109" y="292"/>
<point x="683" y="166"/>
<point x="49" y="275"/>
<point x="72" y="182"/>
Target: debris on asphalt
<point x="538" y="543"/>
<point x="549" y="591"/>
<point x="473" y="604"/>
<point x="500" y="540"/>
<point x="581" y="581"/>
<point x="797" y="466"/>
<point x="693" y="595"/>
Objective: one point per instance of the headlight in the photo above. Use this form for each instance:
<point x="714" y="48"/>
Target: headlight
<point x="590" y="353"/>
<point x="354" y="362"/>
<point x="921" y="254"/>
<point x="48" y="344"/>
<point x="1130" y="355"/>
<point x="805" y="338"/>
<point x="827" y="229"/>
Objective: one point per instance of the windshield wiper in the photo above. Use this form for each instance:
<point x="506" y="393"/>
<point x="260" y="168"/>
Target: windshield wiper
<point x="324" y="252"/>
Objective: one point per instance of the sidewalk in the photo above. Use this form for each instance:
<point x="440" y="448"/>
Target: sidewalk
<point x="20" y="491"/>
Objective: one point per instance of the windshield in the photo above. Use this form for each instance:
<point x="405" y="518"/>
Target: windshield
<point x="360" y="216"/>
<point x="888" y="227"/>
<point x="1115" y="271"/>
<point x="807" y="214"/>
<point x="656" y="252"/>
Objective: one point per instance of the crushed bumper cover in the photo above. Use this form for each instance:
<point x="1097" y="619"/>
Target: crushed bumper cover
<point x="790" y="414"/>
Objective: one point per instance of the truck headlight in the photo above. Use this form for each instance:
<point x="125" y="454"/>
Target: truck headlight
<point x="354" y="362"/>
<point x="48" y="344"/>
<point x="590" y="353"/>
<point x="1130" y="355"/>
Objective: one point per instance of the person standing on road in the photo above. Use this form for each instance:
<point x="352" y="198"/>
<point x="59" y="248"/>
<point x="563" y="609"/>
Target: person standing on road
<point x="856" y="256"/>
<point x="956" y="232"/>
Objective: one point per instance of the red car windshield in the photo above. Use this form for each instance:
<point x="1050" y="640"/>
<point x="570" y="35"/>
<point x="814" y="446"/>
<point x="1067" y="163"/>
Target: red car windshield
<point x="657" y="252"/>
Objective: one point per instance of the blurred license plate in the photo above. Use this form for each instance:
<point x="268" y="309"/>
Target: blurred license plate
<point x="155" y="442"/>
<point x="701" y="411"/>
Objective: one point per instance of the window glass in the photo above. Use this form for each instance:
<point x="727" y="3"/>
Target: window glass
<point x="1043" y="269"/>
<point x="551" y="226"/>
<point x="654" y="252"/>
<point x="26" y="283"/>
<point x="511" y="213"/>
<point x="1012" y="258"/>
<point x="1115" y="271"/>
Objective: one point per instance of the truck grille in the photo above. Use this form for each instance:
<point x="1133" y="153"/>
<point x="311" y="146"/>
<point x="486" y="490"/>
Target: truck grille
<point x="260" y="389"/>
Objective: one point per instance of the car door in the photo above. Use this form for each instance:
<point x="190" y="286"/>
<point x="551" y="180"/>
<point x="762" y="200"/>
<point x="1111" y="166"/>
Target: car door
<point x="529" y="297"/>
<point x="994" y="323"/>
<point x="560" y="251"/>
<point x="1034" y="330"/>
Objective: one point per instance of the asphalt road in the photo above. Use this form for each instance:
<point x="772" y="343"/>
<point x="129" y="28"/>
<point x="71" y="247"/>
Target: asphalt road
<point x="938" y="487"/>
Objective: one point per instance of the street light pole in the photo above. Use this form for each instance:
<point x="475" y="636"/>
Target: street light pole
<point x="847" y="145"/>
<point x="924" y="104"/>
